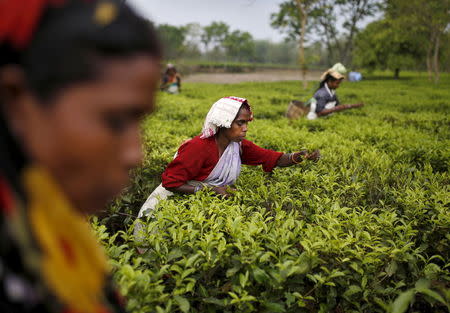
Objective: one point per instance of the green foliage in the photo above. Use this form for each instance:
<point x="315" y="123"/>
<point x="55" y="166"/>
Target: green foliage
<point x="364" y="230"/>
<point x="412" y="35"/>
<point x="231" y="67"/>
<point x="172" y="38"/>
<point x="335" y="23"/>
<point x="215" y="33"/>
<point x="280" y="53"/>
<point x="239" y="45"/>
<point x="288" y="19"/>
<point x="422" y="287"/>
<point x="428" y="22"/>
<point x="381" y="46"/>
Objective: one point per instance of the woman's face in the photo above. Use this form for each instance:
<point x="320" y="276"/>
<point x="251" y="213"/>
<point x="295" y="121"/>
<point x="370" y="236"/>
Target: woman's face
<point x="238" y="129"/>
<point x="334" y="84"/>
<point x="88" y="136"/>
<point x="171" y="71"/>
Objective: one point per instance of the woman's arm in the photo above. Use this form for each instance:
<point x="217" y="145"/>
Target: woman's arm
<point x="187" y="165"/>
<point x="269" y="159"/>
<point x="179" y="82"/>
<point x="338" y="108"/>
<point x="185" y="188"/>
<point x="164" y="81"/>
<point x="289" y="159"/>
<point x="188" y="189"/>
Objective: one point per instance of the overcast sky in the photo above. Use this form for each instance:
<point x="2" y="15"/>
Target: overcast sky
<point x="246" y="15"/>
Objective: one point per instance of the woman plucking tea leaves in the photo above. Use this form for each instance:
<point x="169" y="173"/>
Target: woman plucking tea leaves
<point x="171" y="80"/>
<point x="325" y="100"/>
<point x="75" y="77"/>
<point x="213" y="159"/>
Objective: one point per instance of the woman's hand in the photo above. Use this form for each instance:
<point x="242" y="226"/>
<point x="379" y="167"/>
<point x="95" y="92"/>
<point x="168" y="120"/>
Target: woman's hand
<point x="221" y="190"/>
<point x="313" y="156"/>
<point x="305" y="154"/>
<point x="289" y="159"/>
<point x="338" y="108"/>
<point x="352" y="106"/>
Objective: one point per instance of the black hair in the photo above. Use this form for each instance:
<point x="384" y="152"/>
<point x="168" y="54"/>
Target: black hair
<point x="70" y="40"/>
<point x="327" y="78"/>
<point x="168" y="69"/>
<point x="66" y="46"/>
<point x="245" y="105"/>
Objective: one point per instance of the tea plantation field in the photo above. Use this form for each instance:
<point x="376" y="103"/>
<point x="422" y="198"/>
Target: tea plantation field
<point x="366" y="229"/>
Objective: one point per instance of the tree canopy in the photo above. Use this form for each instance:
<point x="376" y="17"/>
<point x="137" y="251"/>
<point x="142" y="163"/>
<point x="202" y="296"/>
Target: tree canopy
<point x="402" y="34"/>
<point x="380" y="46"/>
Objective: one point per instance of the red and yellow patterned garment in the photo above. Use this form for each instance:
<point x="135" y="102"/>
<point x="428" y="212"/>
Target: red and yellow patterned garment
<point x="50" y="261"/>
<point x="197" y="158"/>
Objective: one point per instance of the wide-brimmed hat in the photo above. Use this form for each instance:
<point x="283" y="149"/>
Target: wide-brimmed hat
<point x="338" y="71"/>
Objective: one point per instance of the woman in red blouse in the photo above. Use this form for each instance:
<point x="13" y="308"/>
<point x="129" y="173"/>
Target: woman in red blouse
<point x="213" y="159"/>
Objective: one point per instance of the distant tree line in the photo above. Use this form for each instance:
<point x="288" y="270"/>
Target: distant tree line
<point x="403" y="35"/>
<point x="408" y="35"/>
<point x="412" y="34"/>
<point x="217" y="42"/>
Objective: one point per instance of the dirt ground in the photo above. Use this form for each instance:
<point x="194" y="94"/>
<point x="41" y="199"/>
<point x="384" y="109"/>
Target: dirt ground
<point x="258" y="76"/>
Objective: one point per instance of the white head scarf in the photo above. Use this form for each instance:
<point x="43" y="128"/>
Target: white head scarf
<point x="222" y="114"/>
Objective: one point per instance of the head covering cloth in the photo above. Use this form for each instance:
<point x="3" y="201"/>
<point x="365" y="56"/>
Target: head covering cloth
<point x="222" y="114"/>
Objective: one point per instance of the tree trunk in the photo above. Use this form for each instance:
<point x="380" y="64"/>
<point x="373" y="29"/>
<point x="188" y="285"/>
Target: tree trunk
<point x="397" y="73"/>
<point x="302" y="15"/>
<point x="302" y="53"/>
<point x="332" y="39"/>
<point x="429" y="63"/>
<point x="348" y="47"/>
<point x="328" y="41"/>
<point x="429" y="68"/>
<point x="436" y="58"/>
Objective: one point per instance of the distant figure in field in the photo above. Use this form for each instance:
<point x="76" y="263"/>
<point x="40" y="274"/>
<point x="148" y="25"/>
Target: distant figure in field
<point x="325" y="100"/>
<point x="171" y="81"/>
<point x="213" y="159"/>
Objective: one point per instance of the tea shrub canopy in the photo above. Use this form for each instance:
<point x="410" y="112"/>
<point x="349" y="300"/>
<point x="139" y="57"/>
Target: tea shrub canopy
<point x="367" y="229"/>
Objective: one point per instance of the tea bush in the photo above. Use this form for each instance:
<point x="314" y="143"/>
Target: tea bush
<point x="367" y="229"/>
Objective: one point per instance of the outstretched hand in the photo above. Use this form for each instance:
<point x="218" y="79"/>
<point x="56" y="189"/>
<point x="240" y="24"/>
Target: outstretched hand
<point x="222" y="190"/>
<point x="356" y="105"/>
<point x="313" y="156"/>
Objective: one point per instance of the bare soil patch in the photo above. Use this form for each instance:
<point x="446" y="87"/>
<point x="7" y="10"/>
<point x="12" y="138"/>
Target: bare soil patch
<point x="258" y="76"/>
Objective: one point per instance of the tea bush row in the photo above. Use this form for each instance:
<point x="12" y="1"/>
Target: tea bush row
<point x="367" y="229"/>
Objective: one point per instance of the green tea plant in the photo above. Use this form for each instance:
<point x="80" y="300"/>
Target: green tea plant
<point x="367" y="229"/>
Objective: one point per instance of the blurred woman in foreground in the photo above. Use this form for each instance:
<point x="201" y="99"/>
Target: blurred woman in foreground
<point x="75" y="78"/>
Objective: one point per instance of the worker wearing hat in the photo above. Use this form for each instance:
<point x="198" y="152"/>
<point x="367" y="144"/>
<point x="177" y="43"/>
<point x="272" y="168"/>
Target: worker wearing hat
<point x="325" y="100"/>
